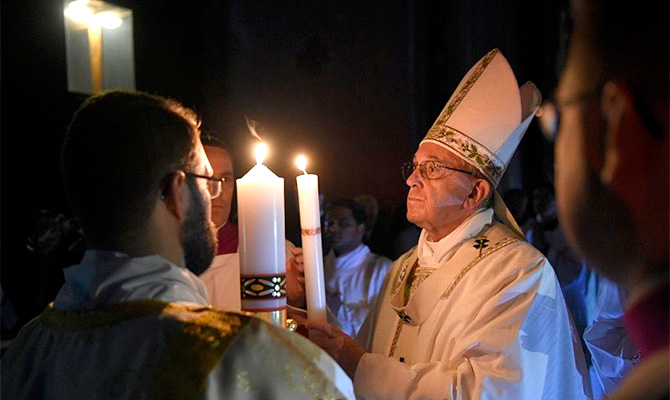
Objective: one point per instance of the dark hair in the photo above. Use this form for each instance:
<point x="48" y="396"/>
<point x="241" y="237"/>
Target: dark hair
<point x="631" y="42"/>
<point x="213" y="141"/>
<point x="545" y="187"/>
<point x="117" y="150"/>
<point x="356" y="208"/>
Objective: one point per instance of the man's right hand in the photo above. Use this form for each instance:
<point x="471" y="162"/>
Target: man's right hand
<point x="295" y="279"/>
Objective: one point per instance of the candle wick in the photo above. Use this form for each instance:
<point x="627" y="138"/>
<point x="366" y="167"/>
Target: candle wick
<point x="304" y="172"/>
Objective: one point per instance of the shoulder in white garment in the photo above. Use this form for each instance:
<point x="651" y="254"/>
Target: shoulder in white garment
<point x="499" y="328"/>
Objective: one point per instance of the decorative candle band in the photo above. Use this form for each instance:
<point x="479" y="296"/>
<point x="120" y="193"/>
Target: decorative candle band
<point x="311" y="231"/>
<point x="263" y="286"/>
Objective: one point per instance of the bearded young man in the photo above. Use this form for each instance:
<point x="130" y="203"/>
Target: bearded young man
<point x="132" y="320"/>
<point x="473" y="311"/>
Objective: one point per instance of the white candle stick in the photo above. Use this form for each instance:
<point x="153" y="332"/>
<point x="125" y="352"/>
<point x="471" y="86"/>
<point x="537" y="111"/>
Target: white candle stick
<point x="310" y="223"/>
<point x="260" y="205"/>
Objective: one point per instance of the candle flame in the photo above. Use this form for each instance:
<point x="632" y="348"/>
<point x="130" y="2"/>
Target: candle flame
<point x="301" y="162"/>
<point x="261" y="151"/>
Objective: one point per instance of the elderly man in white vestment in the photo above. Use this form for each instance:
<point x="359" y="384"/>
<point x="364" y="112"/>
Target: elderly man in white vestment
<point x="473" y="311"/>
<point x="132" y="320"/>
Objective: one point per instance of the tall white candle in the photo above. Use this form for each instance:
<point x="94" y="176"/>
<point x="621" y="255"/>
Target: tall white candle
<point x="260" y="206"/>
<point x="310" y="223"/>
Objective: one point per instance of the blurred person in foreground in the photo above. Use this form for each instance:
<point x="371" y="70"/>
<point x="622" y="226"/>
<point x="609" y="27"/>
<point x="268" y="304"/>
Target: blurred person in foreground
<point x="132" y="320"/>
<point x="612" y="167"/>
<point x="473" y="311"/>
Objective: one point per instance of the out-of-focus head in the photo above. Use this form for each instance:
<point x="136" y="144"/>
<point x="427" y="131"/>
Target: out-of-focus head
<point x="612" y="149"/>
<point x="544" y="202"/>
<point x="222" y="163"/>
<point x="371" y="210"/>
<point x="121" y="153"/>
<point x="344" y="225"/>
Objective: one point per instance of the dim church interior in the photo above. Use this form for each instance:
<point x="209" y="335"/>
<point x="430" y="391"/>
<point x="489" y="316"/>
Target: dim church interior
<point x="353" y="84"/>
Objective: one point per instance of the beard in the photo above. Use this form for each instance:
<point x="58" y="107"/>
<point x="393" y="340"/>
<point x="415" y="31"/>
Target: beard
<point x="198" y="234"/>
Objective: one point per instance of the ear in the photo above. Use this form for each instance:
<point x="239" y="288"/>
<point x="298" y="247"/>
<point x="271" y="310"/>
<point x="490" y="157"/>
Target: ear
<point x="628" y="147"/>
<point x="360" y="229"/>
<point x="635" y="168"/>
<point x="480" y="191"/>
<point x="174" y="201"/>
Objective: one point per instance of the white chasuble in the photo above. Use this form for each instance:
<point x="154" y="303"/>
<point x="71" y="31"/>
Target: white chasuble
<point x="478" y="315"/>
<point x="140" y="328"/>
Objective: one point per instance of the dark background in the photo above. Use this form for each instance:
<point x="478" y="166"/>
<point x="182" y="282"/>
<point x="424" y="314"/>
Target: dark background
<point x="354" y="85"/>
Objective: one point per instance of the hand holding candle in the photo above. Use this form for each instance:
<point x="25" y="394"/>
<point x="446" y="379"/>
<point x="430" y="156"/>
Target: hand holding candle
<point x="310" y="223"/>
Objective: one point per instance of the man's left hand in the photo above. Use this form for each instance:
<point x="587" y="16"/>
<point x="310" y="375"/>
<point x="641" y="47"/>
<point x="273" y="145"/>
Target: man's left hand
<point x="338" y="344"/>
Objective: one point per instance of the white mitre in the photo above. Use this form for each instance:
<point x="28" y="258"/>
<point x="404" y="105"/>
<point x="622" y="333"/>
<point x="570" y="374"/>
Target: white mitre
<point x="485" y="119"/>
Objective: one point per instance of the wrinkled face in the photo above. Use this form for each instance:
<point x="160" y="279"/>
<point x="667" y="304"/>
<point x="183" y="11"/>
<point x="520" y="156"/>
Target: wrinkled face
<point x="198" y="234"/>
<point x="223" y="168"/>
<point x="342" y="232"/>
<point x="437" y="203"/>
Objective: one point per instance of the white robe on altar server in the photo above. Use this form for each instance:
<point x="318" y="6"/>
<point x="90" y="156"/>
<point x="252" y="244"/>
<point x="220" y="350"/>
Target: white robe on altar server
<point x="353" y="283"/>
<point x="136" y="328"/>
<point x="485" y="319"/>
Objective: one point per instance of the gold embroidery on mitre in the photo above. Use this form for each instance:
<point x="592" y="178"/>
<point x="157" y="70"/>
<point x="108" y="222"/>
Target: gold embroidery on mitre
<point x="456" y="101"/>
<point x="487" y="162"/>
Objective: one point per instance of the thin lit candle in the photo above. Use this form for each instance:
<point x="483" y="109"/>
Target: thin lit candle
<point x="310" y="224"/>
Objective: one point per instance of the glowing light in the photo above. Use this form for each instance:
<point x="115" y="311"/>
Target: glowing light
<point x="261" y="151"/>
<point x="108" y="20"/>
<point x="79" y="11"/>
<point x="301" y="163"/>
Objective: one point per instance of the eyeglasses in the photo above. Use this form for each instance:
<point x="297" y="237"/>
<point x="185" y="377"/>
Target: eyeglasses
<point x="594" y="95"/>
<point x="550" y="117"/>
<point x="213" y="184"/>
<point x="429" y="169"/>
